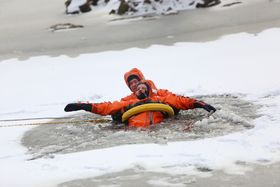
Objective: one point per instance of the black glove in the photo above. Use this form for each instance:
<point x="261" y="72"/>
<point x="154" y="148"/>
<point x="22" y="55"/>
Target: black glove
<point x="78" y="106"/>
<point x="205" y="106"/>
<point x="117" y="116"/>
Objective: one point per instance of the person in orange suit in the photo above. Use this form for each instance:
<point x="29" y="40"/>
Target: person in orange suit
<point x="132" y="77"/>
<point x="143" y="94"/>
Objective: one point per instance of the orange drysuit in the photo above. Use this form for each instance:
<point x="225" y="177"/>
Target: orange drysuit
<point x="148" y="118"/>
<point x="139" y="74"/>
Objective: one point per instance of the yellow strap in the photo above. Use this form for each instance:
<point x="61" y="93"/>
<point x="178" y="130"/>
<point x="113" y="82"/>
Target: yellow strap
<point x="148" y="107"/>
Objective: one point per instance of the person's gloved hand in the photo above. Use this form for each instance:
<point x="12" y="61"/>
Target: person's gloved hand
<point x="78" y="106"/>
<point x="205" y="106"/>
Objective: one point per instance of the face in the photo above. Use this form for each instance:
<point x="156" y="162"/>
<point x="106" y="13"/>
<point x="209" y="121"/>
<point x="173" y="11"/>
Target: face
<point x="141" y="91"/>
<point x="133" y="85"/>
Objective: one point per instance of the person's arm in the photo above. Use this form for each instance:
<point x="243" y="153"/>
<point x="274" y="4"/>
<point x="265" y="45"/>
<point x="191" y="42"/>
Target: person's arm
<point x="108" y="108"/>
<point x="105" y="108"/>
<point x="185" y="103"/>
<point x="179" y="102"/>
<point x="129" y="97"/>
<point x="163" y="92"/>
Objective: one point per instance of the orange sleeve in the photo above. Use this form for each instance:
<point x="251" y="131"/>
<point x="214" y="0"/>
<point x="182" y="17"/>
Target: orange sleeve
<point x="108" y="108"/>
<point x="129" y="97"/>
<point x="163" y="92"/>
<point x="179" y="102"/>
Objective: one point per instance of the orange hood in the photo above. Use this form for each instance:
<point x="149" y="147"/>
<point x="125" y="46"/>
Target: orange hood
<point x="133" y="71"/>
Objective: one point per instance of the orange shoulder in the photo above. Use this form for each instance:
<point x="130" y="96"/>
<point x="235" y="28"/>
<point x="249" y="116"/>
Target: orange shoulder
<point x="129" y="97"/>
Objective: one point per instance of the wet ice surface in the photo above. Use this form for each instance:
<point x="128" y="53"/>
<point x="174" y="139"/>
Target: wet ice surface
<point x="89" y="131"/>
<point x="137" y="176"/>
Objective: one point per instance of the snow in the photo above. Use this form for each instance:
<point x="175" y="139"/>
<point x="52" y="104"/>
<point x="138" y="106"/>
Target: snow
<point x="42" y="86"/>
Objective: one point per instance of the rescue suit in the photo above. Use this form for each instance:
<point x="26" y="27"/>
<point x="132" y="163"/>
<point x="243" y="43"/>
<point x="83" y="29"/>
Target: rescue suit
<point x="148" y="118"/>
<point x="139" y="74"/>
<point x="144" y="119"/>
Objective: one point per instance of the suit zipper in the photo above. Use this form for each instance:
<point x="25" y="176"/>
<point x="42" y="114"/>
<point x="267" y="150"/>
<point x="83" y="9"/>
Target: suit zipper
<point x="151" y="118"/>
